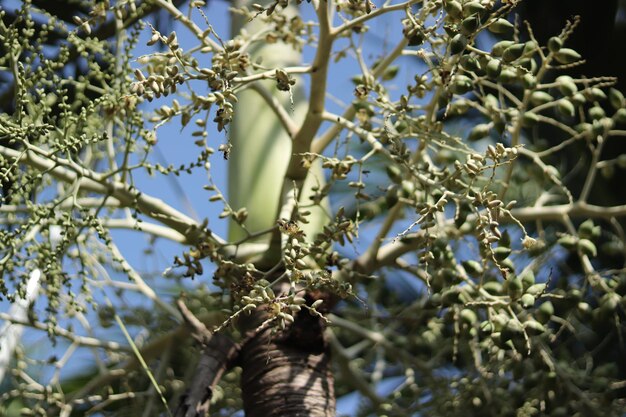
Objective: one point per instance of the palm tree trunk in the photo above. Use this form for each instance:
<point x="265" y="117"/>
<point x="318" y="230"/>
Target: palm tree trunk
<point x="284" y="373"/>
<point x="283" y="376"/>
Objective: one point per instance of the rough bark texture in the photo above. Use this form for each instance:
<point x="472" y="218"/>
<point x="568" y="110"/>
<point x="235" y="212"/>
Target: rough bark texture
<point x="212" y="365"/>
<point x="218" y="353"/>
<point x="287" y="376"/>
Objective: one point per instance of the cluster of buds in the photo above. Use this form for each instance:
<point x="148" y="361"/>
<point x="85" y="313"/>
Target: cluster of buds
<point x="356" y="8"/>
<point x="157" y="85"/>
<point x="191" y="261"/>
<point x="295" y="251"/>
<point x="413" y="32"/>
<point x="289" y="30"/>
<point x="428" y="210"/>
<point x="280" y="308"/>
<point x="96" y="15"/>
<point x="228" y="62"/>
<point x="216" y="78"/>
<point x="171" y="41"/>
<point x="123" y="10"/>
<point x="420" y="87"/>
<point x="223" y="117"/>
<point x="488" y="200"/>
<point x="488" y="231"/>
<point x="474" y="165"/>
<point x="338" y="231"/>
<point x="500" y="152"/>
<point x="271" y="8"/>
<point x="283" y="80"/>
<point x="466" y="17"/>
<point x="340" y="167"/>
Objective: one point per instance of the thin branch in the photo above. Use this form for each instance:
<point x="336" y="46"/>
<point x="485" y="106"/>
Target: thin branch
<point x="555" y="123"/>
<point x="364" y="18"/>
<point x="380" y="339"/>
<point x="202" y="35"/>
<point x="218" y="354"/>
<point x="578" y="209"/>
<point x="59" y="331"/>
<point x="351" y="371"/>
<point x="270" y="75"/>
<point x="151" y="228"/>
<point x="283" y="117"/>
<point x="198" y="327"/>
<point x="503" y="90"/>
<point x="148" y="352"/>
<point x="327" y="137"/>
<point x="144" y="288"/>
<point x="317" y="94"/>
<point x="388" y="253"/>
<point x="547" y="170"/>
<point x="87" y="180"/>
<point x="593" y="169"/>
<point x="517" y="128"/>
<point x="362" y="133"/>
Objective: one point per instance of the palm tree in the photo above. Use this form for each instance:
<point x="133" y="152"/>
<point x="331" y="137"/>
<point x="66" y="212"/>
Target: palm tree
<point x="454" y="311"/>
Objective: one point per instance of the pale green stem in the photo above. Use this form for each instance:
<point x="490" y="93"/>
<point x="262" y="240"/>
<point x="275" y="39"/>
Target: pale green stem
<point x="517" y="128"/>
<point x="317" y="96"/>
<point x="375" y="13"/>
<point x="287" y="122"/>
<point x="327" y="137"/>
<point x="202" y="35"/>
<point x="593" y="169"/>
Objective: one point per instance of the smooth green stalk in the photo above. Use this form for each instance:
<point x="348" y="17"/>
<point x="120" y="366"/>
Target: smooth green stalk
<point x="262" y="143"/>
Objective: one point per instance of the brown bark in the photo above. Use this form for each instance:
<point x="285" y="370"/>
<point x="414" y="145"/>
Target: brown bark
<point x="218" y="353"/>
<point x="287" y="375"/>
<point x="284" y="373"/>
<point x="215" y="359"/>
